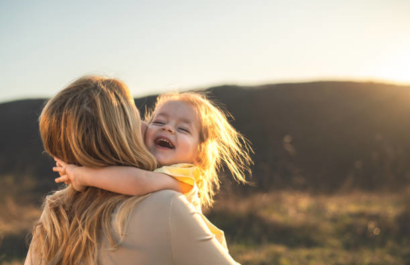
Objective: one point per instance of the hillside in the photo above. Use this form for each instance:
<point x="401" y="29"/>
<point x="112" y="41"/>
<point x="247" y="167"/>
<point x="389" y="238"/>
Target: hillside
<point x="320" y="136"/>
<point x="325" y="153"/>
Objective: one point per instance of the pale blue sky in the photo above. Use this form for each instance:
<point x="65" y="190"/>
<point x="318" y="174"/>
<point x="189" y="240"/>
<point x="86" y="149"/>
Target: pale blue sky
<point x="155" y="46"/>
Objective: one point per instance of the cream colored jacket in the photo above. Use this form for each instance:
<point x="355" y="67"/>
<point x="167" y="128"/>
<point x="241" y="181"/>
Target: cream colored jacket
<point x="166" y="229"/>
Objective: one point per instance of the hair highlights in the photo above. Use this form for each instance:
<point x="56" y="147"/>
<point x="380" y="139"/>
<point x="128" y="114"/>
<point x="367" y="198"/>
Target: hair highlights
<point x="93" y="122"/>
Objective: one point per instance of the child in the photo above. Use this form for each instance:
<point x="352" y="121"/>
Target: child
<point x="191" y="140"/>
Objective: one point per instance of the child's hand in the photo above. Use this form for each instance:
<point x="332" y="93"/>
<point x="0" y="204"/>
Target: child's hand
<point x="68" y="174"/>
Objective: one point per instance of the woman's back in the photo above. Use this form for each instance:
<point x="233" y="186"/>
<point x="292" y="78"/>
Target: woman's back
<point x="164" y="228"/>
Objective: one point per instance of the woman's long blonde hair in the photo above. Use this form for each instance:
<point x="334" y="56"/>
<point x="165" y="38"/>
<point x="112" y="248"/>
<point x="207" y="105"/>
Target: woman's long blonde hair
<point x="93" y="122"/>
<point x="220" y="144"/>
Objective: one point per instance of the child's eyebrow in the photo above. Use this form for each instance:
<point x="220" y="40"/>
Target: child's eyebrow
<point x="184" y="120"/>
<point x="162" y="114"/>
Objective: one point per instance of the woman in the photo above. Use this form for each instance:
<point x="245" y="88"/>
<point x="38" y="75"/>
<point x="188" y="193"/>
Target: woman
<point x="94" y="122"/>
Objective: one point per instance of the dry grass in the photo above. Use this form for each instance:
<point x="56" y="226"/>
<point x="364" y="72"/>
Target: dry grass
<point x="300" y="228"/>
<point x="15" y="223"/>
<point x="15" y="218"/>
<point x="287" y="228"/>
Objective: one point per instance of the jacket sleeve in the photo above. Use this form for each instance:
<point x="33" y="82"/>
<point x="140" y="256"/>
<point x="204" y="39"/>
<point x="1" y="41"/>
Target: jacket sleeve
<point x="191" y="240"/>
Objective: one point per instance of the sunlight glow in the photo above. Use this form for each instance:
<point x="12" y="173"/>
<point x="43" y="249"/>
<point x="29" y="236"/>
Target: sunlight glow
<point x="399" y="72"/>
<point x="396" y="67"/>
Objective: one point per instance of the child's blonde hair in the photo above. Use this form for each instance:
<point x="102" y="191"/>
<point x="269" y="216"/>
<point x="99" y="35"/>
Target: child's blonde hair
<point x="220" y="144"/>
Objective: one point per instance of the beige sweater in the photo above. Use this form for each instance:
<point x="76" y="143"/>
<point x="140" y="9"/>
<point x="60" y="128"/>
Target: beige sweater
<point x="166" y="229"/>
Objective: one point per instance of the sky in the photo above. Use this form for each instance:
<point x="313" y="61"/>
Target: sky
<point x="158" y="45"/>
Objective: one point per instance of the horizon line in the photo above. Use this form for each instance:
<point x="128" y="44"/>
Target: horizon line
<point x="248" y="85"/>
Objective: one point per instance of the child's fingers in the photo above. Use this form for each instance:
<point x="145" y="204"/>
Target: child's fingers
<point x="59" y="169"/>
<point x="60" y="162"/>
<point x="64" y="179"/>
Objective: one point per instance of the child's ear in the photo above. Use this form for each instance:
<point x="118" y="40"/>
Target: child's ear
<point x="198" y="161"/>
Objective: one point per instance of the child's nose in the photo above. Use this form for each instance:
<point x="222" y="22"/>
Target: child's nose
<point x="168" y="128"/>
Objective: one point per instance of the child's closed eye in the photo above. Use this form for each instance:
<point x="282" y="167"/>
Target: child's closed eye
<point x="184" y="129"/>
<point x="158" y="122"/>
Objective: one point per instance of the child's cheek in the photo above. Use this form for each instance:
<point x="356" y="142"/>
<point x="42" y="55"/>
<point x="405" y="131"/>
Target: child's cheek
<point x="143" y="129"/>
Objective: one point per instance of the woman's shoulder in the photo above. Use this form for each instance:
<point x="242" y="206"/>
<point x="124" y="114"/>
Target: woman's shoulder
<point x="161" y="204"/>
<point x="160" y="201"/>
<point x="164" y="196"/>
<point x="154" y="212"/>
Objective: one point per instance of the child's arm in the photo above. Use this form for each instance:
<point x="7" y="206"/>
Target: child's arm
<point x="119" y="179"/>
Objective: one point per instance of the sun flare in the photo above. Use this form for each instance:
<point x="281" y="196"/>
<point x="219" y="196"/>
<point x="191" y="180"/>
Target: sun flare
<point x="396" y="69"/>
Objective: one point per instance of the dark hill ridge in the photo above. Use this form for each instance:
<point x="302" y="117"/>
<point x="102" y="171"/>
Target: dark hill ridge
<point x="322" y="136"/>
<point x="325" y="135"/>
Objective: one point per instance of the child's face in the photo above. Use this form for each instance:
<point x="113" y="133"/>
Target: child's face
<point x="144" y="127"/>
<point x="173" y="135"/>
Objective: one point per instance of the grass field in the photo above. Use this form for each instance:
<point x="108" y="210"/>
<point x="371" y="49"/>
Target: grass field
<point x="285" y="228"/>
<point x="298" y="228"/>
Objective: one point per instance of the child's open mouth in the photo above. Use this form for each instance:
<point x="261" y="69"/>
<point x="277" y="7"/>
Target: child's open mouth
<point x="164" y="143"/>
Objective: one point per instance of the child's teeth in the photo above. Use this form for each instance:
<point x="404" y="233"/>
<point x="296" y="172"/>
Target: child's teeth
<point x="161" y="140"/>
